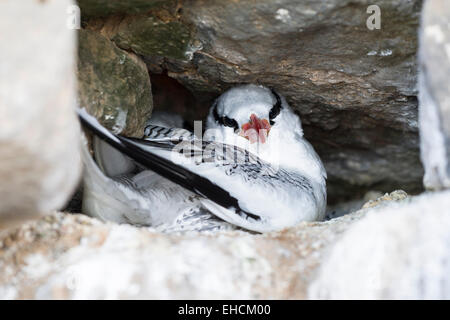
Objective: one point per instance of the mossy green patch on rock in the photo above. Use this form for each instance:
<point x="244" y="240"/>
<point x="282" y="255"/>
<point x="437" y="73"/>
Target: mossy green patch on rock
<point x="150" y="36"/>
<point x="103" y="8"/>
<point x="114" y="85"/>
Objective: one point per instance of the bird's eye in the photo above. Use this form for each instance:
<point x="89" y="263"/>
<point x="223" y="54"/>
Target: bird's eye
<point x="224" y="120"/>
<point x="230" y="123"/>
<point x="275" y="111"/>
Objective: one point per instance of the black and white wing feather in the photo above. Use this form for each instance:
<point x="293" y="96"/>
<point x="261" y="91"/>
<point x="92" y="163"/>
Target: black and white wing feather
<point x="244" y="175"/>
<point x="236" y="185"/>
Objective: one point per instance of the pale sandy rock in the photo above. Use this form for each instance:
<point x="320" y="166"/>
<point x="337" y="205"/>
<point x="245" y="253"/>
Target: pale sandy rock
<point x="39" y="131"/>
<point x="72" y="256"/>
<point x="371" y="199"/>
<point x="65" y="256"/>
<point x="400" y="251"/>
<point x="396" y="195"/>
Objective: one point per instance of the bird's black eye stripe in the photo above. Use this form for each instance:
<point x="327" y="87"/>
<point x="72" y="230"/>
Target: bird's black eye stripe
<point x="275" y="111"/>
<point x="228" y="122"/>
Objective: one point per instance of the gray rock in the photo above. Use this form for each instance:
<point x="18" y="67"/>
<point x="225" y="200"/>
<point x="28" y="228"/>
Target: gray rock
<point x="397" y="195"/>
<point x="114" y="85"/>
<point x="103" y="8"/>
<point x="355" y="89"/>
<point x="400" y="251"/>
<point x="434" y="95"/>
<point x="149" y="36"/>
<point x="39" y="133"/>
<point x="371" y="199"/>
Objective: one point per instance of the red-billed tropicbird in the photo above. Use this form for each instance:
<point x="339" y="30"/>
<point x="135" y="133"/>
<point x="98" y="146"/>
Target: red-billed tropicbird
<point x="252" y="169"/>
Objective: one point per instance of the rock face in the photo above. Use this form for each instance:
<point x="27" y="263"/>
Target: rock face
<point x="396" y="247"/>
<point x="39" y="133"/>
<point x="396" y="252"/>
<point x="102" y="8"/>
<point x="114" y="85"/>
<point x="435" y="93"/>
<point x="354" y="88"/>
<point x="75" y="257"/>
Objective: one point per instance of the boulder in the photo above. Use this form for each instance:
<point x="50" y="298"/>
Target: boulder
<point x="434" y="97"/>
<point x="114" y="85"/>
<point x="397" y="252"/>
<point x="64" y="256"/>
<point x="76" y="257"/>
<point x="39" y="133"/>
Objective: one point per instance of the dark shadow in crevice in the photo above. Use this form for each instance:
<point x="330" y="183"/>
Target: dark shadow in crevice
<point x="171" y="96"/>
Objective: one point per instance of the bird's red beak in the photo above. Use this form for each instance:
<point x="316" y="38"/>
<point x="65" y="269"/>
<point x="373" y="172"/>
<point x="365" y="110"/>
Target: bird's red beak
<point x="256" y="129"/>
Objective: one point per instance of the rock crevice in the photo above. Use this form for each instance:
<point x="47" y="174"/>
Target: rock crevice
<point x="355" y="89"/>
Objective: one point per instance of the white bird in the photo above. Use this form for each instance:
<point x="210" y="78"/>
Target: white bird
<point x="253" y="169"/>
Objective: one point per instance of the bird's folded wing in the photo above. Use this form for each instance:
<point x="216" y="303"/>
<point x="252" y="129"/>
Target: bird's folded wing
<point x="163" y="134"/>
<point x="142" y="154"/>
<point x="233" y="180"/>
<point x="262" y="191"/>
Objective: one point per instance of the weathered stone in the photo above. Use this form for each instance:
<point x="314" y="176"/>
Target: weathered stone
<point x="149" y="36"/>
<point x="370" y="199"/>
<point x="103" y="8"/>
<point x="400" y="251"/>
<point x="73" y="256"/>
<point x="39" y="133"/>
<point x="114" y="85"/>
<point x="354" y="88"/>
<point x="434" y="97"/>
<point x="341" y="208"/>
<point x="397" y="195"/>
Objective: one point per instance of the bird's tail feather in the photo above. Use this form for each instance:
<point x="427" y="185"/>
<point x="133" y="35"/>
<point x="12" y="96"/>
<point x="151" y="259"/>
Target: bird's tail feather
<point x="137" y="151"/>
<point x="95" y="183"/>
<point x="111" y="161"/>
<point x="108" y="199"/>
<point x="240" y="219"/>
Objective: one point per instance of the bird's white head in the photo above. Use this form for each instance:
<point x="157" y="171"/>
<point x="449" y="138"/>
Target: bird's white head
<point x="260" y="120"/>
<point x="253" y="113"/>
